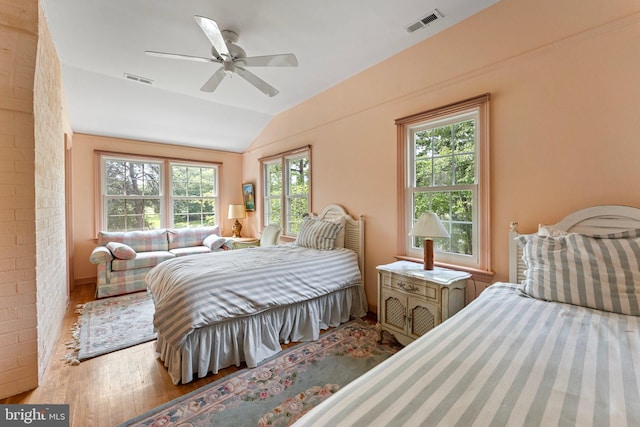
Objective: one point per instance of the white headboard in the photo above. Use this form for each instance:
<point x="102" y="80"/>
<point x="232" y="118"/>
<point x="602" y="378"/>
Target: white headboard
<point x="601" y="219"/>
<point x="354" y="231"/>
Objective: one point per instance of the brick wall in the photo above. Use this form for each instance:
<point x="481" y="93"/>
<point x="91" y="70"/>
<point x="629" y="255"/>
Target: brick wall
<point x="51" y="263"/>
<point x="18" y="320"/>
<point x="32" y="300"/>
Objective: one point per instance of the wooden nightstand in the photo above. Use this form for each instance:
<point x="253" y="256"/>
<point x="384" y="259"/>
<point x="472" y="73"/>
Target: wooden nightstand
<point x="412" y="301"/>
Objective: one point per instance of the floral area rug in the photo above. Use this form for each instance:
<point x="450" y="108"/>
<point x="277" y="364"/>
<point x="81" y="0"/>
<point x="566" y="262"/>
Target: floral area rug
<point x="282" y="389"/>
<point x="111" y="324"/>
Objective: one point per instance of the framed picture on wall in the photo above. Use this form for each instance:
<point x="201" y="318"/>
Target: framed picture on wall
<point x="249" y="197"/>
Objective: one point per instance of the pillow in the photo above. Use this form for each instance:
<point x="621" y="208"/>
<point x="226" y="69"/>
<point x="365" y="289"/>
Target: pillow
<point x="121" y="251"/>
<point x="549" y="230"/>
<point x="214" y="241"/>
<point x="341" y="220"/>
<point x="601" y="272"/>
<point x="318" y="234"/>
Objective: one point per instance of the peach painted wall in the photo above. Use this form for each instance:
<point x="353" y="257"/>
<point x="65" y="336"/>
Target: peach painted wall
<point x="564" y="109"/>
<point x="230" y="187"/>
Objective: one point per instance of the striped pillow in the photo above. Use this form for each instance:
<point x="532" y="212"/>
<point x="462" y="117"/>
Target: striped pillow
<point x="601" y="272"/>
<point x="318" y="234"/>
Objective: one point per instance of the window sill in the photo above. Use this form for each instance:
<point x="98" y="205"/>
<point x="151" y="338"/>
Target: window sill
<point x="484" y="276"/>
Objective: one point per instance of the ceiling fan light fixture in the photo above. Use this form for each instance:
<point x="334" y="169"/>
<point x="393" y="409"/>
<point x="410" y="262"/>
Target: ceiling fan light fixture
<point x="228" y="67"/>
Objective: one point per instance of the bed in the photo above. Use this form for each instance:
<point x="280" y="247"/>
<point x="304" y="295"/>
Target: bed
<point x="220" y="309"/>
<point x="569" y="356"/>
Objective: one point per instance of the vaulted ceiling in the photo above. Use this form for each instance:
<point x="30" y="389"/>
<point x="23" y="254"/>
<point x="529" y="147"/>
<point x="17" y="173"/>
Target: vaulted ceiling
<point x="101" y="42"/>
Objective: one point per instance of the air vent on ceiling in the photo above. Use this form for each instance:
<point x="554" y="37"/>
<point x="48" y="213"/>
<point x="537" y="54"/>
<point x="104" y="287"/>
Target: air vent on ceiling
<point x="424" y="21"/>
<point x="138" y="79"/>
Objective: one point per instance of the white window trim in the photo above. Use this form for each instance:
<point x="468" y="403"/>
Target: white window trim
<point x="481" y="218"/>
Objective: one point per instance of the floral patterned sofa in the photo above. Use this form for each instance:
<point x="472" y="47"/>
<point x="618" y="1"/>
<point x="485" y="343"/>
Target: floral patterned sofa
<point x="124" y="258"/>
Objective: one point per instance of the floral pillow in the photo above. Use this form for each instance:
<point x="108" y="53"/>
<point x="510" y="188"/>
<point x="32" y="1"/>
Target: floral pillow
<point x="121" y="251"/>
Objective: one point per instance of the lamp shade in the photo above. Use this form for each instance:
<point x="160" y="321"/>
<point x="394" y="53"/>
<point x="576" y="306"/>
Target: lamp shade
<point x="429" y="225"/>
<point x="237" y="212"/>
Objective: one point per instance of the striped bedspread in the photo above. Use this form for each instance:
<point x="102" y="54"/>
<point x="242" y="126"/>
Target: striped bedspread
<point x="505" y="360"/>
<point x="200" y="290"/>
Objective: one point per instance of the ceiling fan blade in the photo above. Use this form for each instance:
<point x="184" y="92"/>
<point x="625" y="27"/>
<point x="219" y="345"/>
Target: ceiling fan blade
<point x="260" y="84"/>
<point x="211" y="30"/>
<point x="213" y="81"/>
<point x="283" y="60"/>
<point x="179" y="56"/>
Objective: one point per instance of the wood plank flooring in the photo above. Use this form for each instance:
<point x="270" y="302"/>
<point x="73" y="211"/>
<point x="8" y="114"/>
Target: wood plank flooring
<point x="109" y="389"/>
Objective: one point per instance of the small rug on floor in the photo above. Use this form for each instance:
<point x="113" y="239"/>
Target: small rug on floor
<point x="111" y="324"/>
<point x="281" y="389"/>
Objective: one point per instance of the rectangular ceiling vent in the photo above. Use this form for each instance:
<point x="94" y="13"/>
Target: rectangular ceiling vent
<point x="138" y="79"/>
<point x="424" y="21"/>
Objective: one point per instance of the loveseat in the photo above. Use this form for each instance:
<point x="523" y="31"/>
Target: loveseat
<point x="125" y="258"/>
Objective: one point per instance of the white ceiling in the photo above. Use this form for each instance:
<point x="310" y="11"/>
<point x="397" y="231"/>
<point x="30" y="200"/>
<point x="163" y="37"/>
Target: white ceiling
<point x="98" y="41"/>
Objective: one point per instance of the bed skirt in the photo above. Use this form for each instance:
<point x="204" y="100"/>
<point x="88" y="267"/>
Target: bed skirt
<point x="255" y="338"/>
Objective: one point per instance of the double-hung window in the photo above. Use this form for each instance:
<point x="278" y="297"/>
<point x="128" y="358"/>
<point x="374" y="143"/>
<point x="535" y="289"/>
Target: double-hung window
<point x="193" y="194"/>
<point x="140" y="193"/>
<point x="445" y="171"/>
<point x="287" y="189"/>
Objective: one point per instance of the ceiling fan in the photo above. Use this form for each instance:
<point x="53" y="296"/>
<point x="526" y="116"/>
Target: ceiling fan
<point x="232" y="57"/>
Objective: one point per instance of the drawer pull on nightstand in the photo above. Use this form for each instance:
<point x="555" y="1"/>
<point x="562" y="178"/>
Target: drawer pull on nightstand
<point x="408" y="288"/>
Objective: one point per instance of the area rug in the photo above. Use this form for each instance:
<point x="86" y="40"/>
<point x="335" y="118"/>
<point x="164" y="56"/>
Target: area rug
<point x="282" y="389"/>
<point x="111" y="324"/>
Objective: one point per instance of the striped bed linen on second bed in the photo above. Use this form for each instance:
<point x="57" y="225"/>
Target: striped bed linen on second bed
<point x="201" y="290"/>
<point x="505" y="360"/>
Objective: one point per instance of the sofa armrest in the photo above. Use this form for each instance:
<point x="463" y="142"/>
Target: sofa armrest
<point x="100" y="254"/>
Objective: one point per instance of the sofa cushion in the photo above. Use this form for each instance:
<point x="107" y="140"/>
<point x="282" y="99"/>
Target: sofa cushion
<point x="142" y="260"/>
<point x="140" y="241"/>
<point x="191" y="250"/>
<point x="186" y="237"/>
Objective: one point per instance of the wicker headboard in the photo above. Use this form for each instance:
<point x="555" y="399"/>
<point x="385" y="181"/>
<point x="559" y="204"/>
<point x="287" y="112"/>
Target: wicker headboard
<point x="594" y="220"/>
<point x="354" y="230"/>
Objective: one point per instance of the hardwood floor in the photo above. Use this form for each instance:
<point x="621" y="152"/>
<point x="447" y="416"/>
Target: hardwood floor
<point x="109" y="389"/>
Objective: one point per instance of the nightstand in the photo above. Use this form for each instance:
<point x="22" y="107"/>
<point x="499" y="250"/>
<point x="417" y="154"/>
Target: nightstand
<point x="241" y="242"/>
<point x="412" y="301"/>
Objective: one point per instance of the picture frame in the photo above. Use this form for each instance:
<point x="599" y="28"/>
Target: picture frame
<point x="249" y="197"/>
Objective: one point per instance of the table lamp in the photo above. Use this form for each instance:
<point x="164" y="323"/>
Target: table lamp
<point x="430" y="227"/>
<point x="236" y="212"/>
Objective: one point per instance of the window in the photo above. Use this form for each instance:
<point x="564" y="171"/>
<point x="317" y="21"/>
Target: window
<point x="287" y="189"/>
<point x="193" y="195"/>
<point x="133" y="195"/>
<point x="445" y="171"/>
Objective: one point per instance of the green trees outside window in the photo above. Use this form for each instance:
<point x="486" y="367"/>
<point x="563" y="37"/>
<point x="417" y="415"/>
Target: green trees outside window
<point x="287" y="189"/>
<point x="444" y="181"/>
<point x="134" y="197"/>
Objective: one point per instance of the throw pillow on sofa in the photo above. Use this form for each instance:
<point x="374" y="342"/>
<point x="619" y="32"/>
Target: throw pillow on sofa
<point x="121" y="251"/>
<point x="214" y="241"/>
